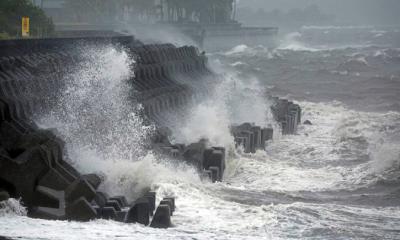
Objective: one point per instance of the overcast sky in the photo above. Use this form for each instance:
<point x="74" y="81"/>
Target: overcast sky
<point x="357" y="11"/>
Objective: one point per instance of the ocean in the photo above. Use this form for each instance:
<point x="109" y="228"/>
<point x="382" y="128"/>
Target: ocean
<point x="338" y="178"/>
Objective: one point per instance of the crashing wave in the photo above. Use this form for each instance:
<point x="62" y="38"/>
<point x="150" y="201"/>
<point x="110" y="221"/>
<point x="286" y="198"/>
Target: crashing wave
<point x="359" y="64"/>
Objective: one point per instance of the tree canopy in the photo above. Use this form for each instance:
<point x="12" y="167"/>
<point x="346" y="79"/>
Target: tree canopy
<point x="11" y="13"/>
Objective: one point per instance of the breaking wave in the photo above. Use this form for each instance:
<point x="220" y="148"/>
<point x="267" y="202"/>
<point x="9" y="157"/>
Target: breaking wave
<point x="100" y="122"/>
<point x="292" y="41"/>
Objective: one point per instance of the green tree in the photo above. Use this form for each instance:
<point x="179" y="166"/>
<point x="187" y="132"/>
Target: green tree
<point x="11" y="13"/>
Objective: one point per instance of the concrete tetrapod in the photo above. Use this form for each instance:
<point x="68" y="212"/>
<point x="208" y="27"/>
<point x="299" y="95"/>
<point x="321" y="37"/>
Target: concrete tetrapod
<point x="162" y="217"/>
<point x="139" y="212"/>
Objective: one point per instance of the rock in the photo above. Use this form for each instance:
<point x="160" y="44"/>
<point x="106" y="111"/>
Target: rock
<point x="307" y="122"/>
<point x="162" y="217"/>
<point x="139" y="212"/>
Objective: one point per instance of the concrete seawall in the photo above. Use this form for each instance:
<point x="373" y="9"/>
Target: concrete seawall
<point x="33" y="164"/>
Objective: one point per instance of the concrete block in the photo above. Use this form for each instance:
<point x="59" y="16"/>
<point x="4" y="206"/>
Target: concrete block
<point x="162" y="218"/>
<point x="108" y="213"/>
<point x="139" y="212"/>
<point x="4" y="195"/>
<point x="54" y="180"/>
<point x="93" y="179"/>
<point x="257" y="137"/>
<point x="170" y="202"/>
<point x="151" y="197"/>
<point x="53" y="213"/>
<point x="172" y="199"/>
<point x="80" y="188"/>
<point x="121" y="200"/>
<point x="80" y="210"/>
<point x="266" y="135"/>
<point x="114" y="204"/>
<point x="214" y="158"/>
<point x="121" y="216"/>
<point x="100" y="199"/>
<point x="215" y="174"/>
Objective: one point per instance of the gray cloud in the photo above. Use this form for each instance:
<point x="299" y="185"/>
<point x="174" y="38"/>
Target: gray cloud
<point x="346" y="11"/>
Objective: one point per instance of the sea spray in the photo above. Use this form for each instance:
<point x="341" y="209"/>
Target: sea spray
<point x="233" y="100"/>
<point x="99" y="121"/>
<point x="12" y="207"/>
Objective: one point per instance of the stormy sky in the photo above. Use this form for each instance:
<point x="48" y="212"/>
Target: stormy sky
<point x="346" y="11"/>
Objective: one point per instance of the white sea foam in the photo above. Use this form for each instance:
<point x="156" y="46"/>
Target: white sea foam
<point x="238" y="49"/>
<point x="292" y="41"/>
<point x="238" y="64"/>
<point x="337" y="135"/>
<point x="12" y="207"/>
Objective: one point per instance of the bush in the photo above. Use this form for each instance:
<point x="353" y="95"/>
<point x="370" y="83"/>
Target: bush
<point x="4" y="36"/>
<point x="11" y="13"/>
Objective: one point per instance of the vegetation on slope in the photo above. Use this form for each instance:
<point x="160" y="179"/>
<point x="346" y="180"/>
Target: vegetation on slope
<point x="11" y="13"/>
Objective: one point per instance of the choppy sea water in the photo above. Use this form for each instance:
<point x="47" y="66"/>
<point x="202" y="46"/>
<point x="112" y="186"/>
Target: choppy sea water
<point x="336" y="179"/>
